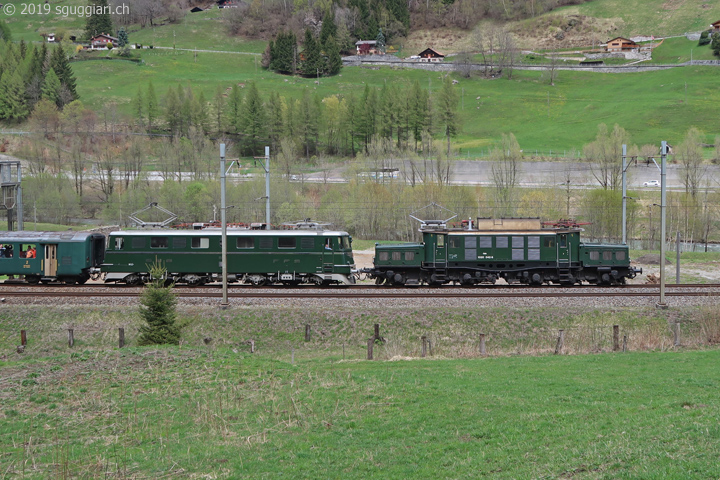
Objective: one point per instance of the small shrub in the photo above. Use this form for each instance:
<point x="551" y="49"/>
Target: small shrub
<point x="704" y="38"/>
<point x="158" y="304"/>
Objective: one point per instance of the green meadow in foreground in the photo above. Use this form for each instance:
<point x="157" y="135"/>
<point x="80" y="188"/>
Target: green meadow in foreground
<point x="216" y="411"/>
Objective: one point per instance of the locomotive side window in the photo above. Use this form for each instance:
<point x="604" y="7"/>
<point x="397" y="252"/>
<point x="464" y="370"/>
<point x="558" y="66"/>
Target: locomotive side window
<point x="119" y="243"/>
<point x="619" y="255"/>
<point x="344" y="243"/>
<point x="409" y="256"/>
<point x="138" y="242"/>
<point x="534" y="242"/>
<point x="563" y="241"/>
<point x="548" y="242"/>
<point x="245" y="242"/>
<point x="384" y="256"/>
<point x="455" y="242"/>
<point x="518" y="242"/>
<point x="485" y="242"/>
<point x="307" y="243"/>
<point x="158" y="242"/>
<point x="470" y="242"/>
<point x="607" y="255"/>
<point x="440" y="240"/>
<point x="200" y="242"/>
<point x="287" y="242"/>
<point x="397" y="256"/>
<point x="180" y="242"/>
<point x="595" y="255"/>
<point x="501" y="242"/>
<point x="266" y="242"/>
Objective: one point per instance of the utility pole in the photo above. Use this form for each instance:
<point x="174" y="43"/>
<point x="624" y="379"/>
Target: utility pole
<point x="624" y="194"/>
<point x="223" y="221"/>
<point x="267" y="185"/>
<point x="663" y="203"/>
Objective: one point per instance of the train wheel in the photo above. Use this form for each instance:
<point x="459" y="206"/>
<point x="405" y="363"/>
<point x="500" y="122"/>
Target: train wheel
<point x="32" y="279"/>
<point x="379" y="280"/>
<point x="257" y="280"/>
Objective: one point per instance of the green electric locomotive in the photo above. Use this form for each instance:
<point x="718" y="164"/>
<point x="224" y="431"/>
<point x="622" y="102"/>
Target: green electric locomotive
<point x="520" y="251"/>
<point x="256" y="257"/>
<point x="69" y="257"/>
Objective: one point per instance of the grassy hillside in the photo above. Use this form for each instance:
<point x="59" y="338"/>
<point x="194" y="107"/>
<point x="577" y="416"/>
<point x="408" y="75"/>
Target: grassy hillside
<point x="216" y="411"/>
<point x="652" y="106"/>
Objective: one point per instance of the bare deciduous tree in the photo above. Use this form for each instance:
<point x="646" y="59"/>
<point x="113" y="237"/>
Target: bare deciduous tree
<point x="505" y="173"/>
<point x="605" y="155"/>
<point x="691" y="161"/>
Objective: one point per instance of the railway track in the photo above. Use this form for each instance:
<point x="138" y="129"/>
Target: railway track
<point x="360" y="292"/>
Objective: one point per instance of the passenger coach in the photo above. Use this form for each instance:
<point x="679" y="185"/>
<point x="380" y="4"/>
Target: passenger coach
<point x="69" y="257"/>
<point x="257" y="257"/>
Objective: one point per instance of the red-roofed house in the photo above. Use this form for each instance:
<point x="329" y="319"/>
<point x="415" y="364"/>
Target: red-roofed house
<point x="619" y="44"/>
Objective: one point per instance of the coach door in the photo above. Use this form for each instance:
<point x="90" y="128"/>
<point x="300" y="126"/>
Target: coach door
<point x="563" y="251"/>
<point x="50" y="269"/>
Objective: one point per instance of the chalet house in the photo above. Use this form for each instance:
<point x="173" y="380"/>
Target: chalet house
<point x="430" y="55"/>
<point x="100" y="42"/>
<point x="620" y="44"/>
<point x="366" y="47"/>
<point x="715" y="27"/>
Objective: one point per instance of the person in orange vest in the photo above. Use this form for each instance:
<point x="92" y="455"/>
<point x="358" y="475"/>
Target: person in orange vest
<point x="30" y="253"/>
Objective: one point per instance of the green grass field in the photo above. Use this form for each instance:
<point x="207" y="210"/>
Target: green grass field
<point x="216" y="411"/>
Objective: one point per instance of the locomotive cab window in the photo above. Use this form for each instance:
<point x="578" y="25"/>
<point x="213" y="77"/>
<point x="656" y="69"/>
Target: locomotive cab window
<point x="343" y="243"/>
<point x="619" y="255"/>
<point x="548" y="242"/>
<point x="409" y="256"/>
<point x="245" y="242"/>
<point x="455" y="242"/>
<point x="158" y="242"/>
<point x="441" y="240"/>
<point x="287" y="242"/>
<point x="384" y="256"/>
<point x="607" y="255"/>
<point x="595" y="255"/>
<point x="119" y="243"/>
<point x="397" y="256"/>
<point x="563" y="241"/>
<point x="200" y="242"/>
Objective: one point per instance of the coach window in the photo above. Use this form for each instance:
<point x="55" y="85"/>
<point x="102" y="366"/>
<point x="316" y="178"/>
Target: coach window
<point x="119" y="243"/>
<point x="409" y="256"/>
<point x="607" y="256"/>
<point x="286" y="242"/>
<point x="200" y="242"/>
<point x="619" y="255"/>
<point x="158" y="242"/>
<point x="245" y="242"/>
<point x="397" y="256"/>
<point x="384" y="256"/>
<point x="595" y="255"/>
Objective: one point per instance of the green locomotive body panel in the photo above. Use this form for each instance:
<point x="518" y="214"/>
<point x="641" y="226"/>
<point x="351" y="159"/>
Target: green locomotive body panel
<point x="68" y="256"/>
<point x="516" y="250"/>
<point x="273" y="254"/>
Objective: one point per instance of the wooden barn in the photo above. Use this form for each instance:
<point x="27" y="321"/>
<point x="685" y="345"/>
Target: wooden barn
<point x="366" y="47"/>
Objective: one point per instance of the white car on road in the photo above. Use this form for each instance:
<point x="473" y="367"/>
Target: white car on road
<point x="651" y="183"/>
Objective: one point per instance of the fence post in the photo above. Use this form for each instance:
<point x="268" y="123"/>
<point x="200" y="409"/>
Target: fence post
<point x="252" y="346"/>
<point x="377" y="331"/>
<point x="624" y="343"/>
<point x="423" y="352"/>
<point x="560" y="341"/>
<point x="677" y="334"/>
<point x="430" y="346"/>
<point x="71" y="337"/>
<point x="307" y="332"/>
<point x="292" y="356"/>
<point x="482" y="344"/>
<point x="23" y="338"/>
<point x="616" y="338"/>
<point x="370" y="343"/>
<point x="121" y="337"/>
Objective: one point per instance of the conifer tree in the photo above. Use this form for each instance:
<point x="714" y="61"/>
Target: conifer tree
<point x="380" y="41"/>
<point x="99" y="21"/>
<point x="5" y="33"/>
<point x="172" y="110"/>
<point x="328" y="29"/>
<point x="122" y="37"/>
<point x="219" y="109"/>
<point x="253" y="119"/>
<point x="447" y="110"/>
<point x="61" y="65"/>
<point x="158" y="309"/>
<point x="333" y="60"/>
<point x="51" y="88"/>
<point x="275" y="120"/>
<point x="151" y="106"/>
<point x="311" y="51"/>
<point x="138" y="107"/>
<point x="13" y="106"/>
<point x="234" y="108"/>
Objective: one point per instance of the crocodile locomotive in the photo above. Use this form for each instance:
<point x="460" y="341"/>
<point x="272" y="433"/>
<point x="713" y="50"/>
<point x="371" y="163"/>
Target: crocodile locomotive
<point x="519" y="251"/>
